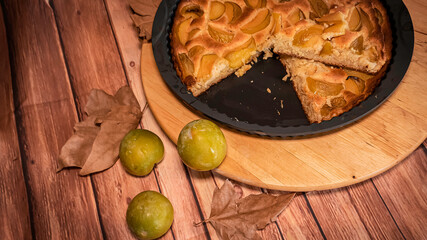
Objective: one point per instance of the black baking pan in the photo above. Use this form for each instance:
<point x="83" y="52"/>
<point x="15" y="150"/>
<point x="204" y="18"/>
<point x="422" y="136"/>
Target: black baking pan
<point x="261" y="103"/>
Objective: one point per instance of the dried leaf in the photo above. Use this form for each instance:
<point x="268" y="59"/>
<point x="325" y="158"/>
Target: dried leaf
<point x="239" y="218"/>
<point x="95" y="144"/>
<point x="145" y="10"/>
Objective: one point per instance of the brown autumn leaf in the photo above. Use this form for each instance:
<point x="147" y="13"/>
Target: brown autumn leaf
<point x="239" y="218"/>
<point x="94" y="146"/>
<point x="143" y="17"/>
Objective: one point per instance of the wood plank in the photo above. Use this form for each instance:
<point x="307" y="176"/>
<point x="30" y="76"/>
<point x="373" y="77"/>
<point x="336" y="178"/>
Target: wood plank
<point x="61" y="205"/>
<point x="355" y="212"/>
<point x="14" y="212"/>
<point x="93" y="62"/>
<point x="403" y="190"/>
<point x="298" y="222"/>
<point x="101" y="67"/>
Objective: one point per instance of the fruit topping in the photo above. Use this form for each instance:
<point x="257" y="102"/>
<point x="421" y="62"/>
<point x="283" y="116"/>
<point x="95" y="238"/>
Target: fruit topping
<point x="322" y="88"/>
<point x="357" y="45"/>
<point x="193" y="33"/>
<point x="187" y="65"/>
<point x="254" y="4"/>
<point x="354" y="21"/>
<point x="217" y="9"/>
<point x="296" y="16"/>
<point x="258" y="23"/>
<point x="354" y="85"/>
<point x="242" y="54"/>
<point x="327" y="49"/>
<point x="332" y="18"/>
<point x="319" y="7"/>
<point x="308" y="37"/>
<point x="220" y="35"/>
<point x="196" y="50"/>
<point x="232" y="11"/>
<point x="183" y="30"/>
<point x="206" y="65"/>
<point x="277" y="17"/>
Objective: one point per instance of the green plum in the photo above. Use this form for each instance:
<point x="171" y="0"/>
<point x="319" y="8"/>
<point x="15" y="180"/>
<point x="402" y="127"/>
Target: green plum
<point x="140" y="149"/>
<point x="201" y="145"/>
<point x="149" y="215"/>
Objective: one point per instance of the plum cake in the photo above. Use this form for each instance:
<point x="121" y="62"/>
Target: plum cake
<point x="347" y="43"/>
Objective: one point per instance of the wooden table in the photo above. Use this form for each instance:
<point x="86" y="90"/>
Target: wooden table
<point x="54" y="52"/>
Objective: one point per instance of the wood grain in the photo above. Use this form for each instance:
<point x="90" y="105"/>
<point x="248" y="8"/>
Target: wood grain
<point x="298" y="222"/>
<point x="94" y="62"/>
<point x="61" y="205"/>
<point x="14" y="212"/>
<point x="403" y="190"/>
<point x="359" y="211"/>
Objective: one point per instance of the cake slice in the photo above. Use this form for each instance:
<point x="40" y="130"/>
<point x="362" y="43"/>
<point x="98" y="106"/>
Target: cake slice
<point x="326" y="91"/>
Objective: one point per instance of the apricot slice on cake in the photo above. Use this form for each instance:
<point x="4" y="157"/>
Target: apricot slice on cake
<point x="217" y="9"/>
<point x="308" y="37"/>
<point x="187" y="65"/>
<point x="327" y="49"/>
<point x="183" y="31"/>
<point x="193" y="33"/>
<point x="354" y="21"/>
<point x="242" y="54"/>
<point x="354" y="85"/>
<point x="254" y="4"/>
<point x="336" y="26"/>
<point x="258" y="23"/>
<point x="296" y="16"/>
<point x="206" y="64"/>
<point x="232" y="11"/>
<point x="220" y="35"/>
<point x="357" y="45"/>
<point x="277" y="18"/>
<point x="332" y="18"/>
<point x="322" y="88"/>
<point x="196" y="50"/>
<point x="319" y="7"/>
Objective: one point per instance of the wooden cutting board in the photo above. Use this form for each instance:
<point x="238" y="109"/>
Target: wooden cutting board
<point x="339" y="158"/>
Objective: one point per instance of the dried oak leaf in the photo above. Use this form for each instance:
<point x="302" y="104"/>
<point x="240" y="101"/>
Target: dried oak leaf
<point x="143" y="17"/>
<point x="239" y="218"/>
<point x="94" y="146"/>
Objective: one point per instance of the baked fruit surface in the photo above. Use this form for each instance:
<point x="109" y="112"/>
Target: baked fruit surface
<point x="213" y="39"/>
